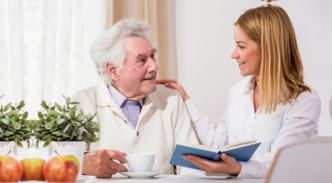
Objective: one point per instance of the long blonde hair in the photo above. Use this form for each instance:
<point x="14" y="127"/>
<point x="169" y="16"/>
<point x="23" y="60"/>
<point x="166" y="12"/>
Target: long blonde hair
<point x="281" y="72"/>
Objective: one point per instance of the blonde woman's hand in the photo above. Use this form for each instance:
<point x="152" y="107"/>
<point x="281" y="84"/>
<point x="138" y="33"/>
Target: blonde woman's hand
<point x="227" y="164"/>
<point x="169" y="83"/>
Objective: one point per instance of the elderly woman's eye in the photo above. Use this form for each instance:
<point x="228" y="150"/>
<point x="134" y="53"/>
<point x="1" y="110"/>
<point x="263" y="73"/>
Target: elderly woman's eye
<point x="142" y="60"/>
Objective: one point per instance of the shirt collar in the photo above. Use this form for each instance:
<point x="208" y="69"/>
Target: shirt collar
<point x="118" y="97"/>
<point x="250" y="86"/>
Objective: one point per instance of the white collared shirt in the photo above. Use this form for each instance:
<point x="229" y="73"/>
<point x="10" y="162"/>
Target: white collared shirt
<point x="292" y="123"/>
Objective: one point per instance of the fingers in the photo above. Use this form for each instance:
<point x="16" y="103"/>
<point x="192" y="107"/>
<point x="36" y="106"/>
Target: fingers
<point x="163" y="81"/>
<point x="199" y="162"/>
<point x="112" y="154"/>
<point x="116" y="167"/>
<point x="227" y="159"/>
<point x="100" y="163"/>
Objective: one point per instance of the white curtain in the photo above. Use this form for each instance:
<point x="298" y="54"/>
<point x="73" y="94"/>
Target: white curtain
<point x="44" y="49"/>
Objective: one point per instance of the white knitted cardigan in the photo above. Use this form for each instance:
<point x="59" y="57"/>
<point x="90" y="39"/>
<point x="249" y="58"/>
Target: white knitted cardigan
<point x="164" y="121"/>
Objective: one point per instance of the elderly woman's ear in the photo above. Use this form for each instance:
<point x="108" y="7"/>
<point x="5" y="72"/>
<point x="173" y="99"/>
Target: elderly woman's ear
<point x="112" y="72"/>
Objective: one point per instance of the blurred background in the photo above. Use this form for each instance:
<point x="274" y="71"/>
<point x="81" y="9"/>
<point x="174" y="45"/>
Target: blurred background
<point x="44" y="46"/>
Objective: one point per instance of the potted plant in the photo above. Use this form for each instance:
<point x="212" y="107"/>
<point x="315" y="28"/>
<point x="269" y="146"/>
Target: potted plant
<point x="15" y="130"/>
<point x="65" y="130"/>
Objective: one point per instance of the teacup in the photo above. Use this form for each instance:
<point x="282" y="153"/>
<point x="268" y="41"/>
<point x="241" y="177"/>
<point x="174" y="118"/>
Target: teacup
<point x="140" y="162"/>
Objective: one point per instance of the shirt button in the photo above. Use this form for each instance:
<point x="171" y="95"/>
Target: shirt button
<point x="137" y="133"/>
<point x="134" y="119"/>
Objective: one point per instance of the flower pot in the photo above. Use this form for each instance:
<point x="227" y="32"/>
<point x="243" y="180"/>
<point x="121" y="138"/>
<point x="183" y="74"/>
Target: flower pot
<point x="43" y="152"/>
<point x="6" y="149"/>
<point x="63" y="148"/>
<point x="25" y="152"/>
<point x="9" y="148"/>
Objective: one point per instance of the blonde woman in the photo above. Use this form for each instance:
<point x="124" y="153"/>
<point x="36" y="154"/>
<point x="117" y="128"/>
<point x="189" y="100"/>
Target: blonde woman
<point x="274" y="105"/>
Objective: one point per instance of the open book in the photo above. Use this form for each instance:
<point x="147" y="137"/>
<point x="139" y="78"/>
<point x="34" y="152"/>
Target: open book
<point x="241" y="151"/>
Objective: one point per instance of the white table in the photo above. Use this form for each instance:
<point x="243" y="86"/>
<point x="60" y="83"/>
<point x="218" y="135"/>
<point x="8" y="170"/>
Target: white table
<point x="177" y="178"/>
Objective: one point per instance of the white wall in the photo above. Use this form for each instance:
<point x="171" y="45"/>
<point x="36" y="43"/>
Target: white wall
<point x="204" y="36"/>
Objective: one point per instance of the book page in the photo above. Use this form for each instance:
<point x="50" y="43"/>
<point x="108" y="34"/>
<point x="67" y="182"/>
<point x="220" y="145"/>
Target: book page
<point x="238" y="144"/>
<point x="207" y="148"/>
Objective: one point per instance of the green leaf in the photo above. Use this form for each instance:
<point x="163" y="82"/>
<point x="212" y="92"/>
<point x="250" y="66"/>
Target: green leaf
<point x="68" y="101"/>
<point x="72" y="114"/>
<point x="40" y="129"/>
<point x="18" y="142"/>
<point x="80" y="117"/>
<point x="46" y="143"/>
<point x="43" y="104"/>
<point x="57" y="106"/>
<point x="54" y="113"/>
<point x="5" y="121"/>
<point x="26" y="129"/>
<point x="22" y="104"/>
<point x="17" y="126"/>
<point x="17" y="116"/>
<point x="48" y="116"/>
<point x="7" y="107"/>
<point x="57" y="133"/>
<point x="80" y="130"/>
<point x="41" y="116"/>
<point x="49" y="125"/>
<point x="37" y="143"/>
<point x="8" y="133"/>
<point x="28" y="144"/>
<point x="76" y="123"/>
<point x="11" y="113"/>
<point x="25" y="115"/>
<point x="60" y="121"/>
<point x="66" y="129"/>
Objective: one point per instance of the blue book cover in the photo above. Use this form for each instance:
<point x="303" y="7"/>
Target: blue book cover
<point x="242" y="152"/>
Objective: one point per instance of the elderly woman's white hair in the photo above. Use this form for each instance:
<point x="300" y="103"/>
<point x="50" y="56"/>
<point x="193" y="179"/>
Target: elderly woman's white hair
<point x="109" y="47"/>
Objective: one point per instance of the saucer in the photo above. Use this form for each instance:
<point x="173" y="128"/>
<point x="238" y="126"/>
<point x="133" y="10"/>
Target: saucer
<point x="141" y="175"/>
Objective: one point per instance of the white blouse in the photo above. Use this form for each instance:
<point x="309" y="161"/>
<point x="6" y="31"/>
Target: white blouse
<point x="292" y="123"/>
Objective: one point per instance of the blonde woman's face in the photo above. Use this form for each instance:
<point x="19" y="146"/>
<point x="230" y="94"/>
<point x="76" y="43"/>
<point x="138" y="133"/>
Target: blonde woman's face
<point x="247" y="53"/>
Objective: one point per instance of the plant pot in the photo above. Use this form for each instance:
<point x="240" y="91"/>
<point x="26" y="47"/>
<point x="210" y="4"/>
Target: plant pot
<point x="9" y="148"/>
<point x="25" y="152"/>
<point x="63" y="148"/>
<point x="43" y="152"/>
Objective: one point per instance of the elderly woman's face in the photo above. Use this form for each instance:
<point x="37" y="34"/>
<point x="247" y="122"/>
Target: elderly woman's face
<point x="138" y="77"/>
<point x="247" y="53"/>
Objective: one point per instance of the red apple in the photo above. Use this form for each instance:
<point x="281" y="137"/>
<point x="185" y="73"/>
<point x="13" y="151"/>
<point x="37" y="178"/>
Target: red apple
<point x="11" y="170"/>
<point x="33" y="169"/>
<point x="60" y="169"/>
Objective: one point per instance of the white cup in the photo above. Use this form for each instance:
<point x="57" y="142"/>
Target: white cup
<point x="140" y="162"/>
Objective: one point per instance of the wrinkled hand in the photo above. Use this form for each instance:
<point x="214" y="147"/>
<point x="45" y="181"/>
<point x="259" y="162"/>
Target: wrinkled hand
<point x="227" y="164"/>
<point x="169" y="83"/>
<point x="99" y="163"/>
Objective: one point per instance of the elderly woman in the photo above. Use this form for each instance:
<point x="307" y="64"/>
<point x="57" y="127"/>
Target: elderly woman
<point x="274" y="105"/>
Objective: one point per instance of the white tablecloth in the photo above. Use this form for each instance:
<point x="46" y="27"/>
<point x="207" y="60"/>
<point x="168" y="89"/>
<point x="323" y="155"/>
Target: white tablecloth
<point x="176" y="178"/>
